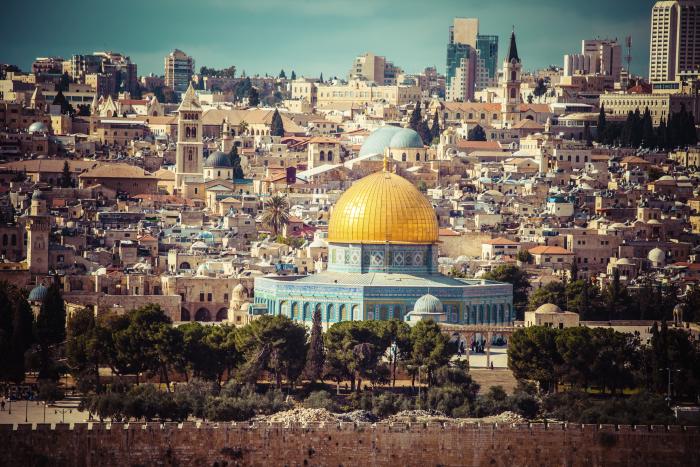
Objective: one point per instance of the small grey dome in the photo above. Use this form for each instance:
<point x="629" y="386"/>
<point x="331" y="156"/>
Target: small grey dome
<point x="427" y="304"/>
<point x="38" y="195"/>
<point x="37" y="127"/>
<point x="38" y="293"/>
<point x="218" y="159"/>
<point x="657" y="255"/>
<point x="548" y="308"/>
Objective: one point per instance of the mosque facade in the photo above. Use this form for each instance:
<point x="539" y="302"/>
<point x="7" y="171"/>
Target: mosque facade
<point x="382" y="258"/>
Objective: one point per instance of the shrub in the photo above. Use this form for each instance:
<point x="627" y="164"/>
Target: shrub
<point x="320" y="400"/>
<point x="49" y="391"/>
<point x="446" y="399"/>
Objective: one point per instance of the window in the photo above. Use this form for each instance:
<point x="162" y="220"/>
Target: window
<point x="209" y="297"/>
<point x="201" y="297"/>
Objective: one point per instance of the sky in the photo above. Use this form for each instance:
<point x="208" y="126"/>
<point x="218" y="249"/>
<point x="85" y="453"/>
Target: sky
<point x="311" y="36"/>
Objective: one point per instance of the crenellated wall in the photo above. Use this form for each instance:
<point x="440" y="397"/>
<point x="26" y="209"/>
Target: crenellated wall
<point x="346" y="444"/>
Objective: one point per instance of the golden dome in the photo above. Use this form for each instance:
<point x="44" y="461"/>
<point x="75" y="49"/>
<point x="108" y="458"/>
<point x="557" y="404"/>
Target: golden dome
<point x="383" y="208"/>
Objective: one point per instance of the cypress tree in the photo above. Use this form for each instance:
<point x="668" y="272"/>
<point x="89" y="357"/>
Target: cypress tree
<point x="316" y="356"/>
<point x="602" y="126"/>
<point x="50" y="330"/>
<point x="661" y="134"/>
<point x="236" y="162"/>
<point x="276" y="126"/>
<point x="435" y="129"/>
<point x="648" y="138"/>
<point x="415" y="117"/>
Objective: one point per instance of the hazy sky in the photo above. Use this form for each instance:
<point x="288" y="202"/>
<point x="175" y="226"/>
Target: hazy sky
<point x="310" y="36"/>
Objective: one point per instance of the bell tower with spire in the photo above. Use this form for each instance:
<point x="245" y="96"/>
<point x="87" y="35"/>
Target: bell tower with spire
<point x="510" y="84"/>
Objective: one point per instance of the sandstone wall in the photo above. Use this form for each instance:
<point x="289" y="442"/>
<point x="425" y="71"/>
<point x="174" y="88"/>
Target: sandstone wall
<point x="346" y="444"/>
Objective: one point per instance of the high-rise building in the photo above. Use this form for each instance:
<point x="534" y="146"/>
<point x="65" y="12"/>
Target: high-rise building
<point x="370" y="67"/>
<point x="675" y="39"/>
<point x="118" y="69"/>
<point x="487" y="46"/>
<point x="480" y="56"/>
<point x="597" y="57"/>
<point x="179" y="68"/>
<point x="462" y="63"/>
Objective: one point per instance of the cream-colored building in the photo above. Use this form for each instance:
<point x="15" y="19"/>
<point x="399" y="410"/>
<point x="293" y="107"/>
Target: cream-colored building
<point x="660" y="105"/>
<point x="362" y="92"/>
<point x="675" y="39"/>
<point x="551" y="316"/>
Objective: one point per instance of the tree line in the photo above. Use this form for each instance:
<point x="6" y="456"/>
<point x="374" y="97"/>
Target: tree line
<point x="581" y="358"/>
<point x="678" y="130"/>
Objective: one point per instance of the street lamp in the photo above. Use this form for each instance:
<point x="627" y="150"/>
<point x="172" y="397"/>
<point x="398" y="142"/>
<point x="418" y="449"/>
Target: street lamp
<point x="668" y="388"/>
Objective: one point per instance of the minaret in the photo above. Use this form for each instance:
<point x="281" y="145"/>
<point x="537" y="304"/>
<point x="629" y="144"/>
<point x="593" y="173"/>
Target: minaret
<point x="510" y="84"/>
<point x="38" y="102"/>
<point x="38" y="231"/>
<point x="189" y="156"/>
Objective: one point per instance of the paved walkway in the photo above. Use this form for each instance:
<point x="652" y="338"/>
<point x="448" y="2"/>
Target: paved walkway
<point x="35" y="413"/>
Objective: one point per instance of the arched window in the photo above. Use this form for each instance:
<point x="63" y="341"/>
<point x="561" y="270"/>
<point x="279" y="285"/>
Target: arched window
<point x="343" y="313"/>
<point x="322" y="156"/>
<point x="512" y="93"/>
<point x="330" y="313"/>
<point x="513" y="75"/>
<point x="330" y="156"/>
<point x="4" y="240"/>
<point x="295" y="310"/>
<point x="222" y="314"/>
<point x="418" y="157"/>
<point x="202" y="315"/>
<point x="355" y="312"/>
<point x="307" y="312"/>
<point x="403" y="156"/>
<point x="187" y="132"/>
<point x="14" y="240"/>
<point x="194" y="132"/>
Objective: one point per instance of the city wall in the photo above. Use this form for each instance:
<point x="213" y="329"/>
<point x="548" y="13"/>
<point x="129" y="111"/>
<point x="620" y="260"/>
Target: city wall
<point x="346" y="444"/>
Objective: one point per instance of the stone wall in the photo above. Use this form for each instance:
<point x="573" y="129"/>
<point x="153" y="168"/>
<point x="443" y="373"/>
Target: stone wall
<point x="346" y="444"/>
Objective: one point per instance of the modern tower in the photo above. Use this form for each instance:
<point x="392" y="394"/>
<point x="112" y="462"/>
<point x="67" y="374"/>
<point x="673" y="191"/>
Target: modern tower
<point x="179" y="68"/>
<point x="675" y="39"/>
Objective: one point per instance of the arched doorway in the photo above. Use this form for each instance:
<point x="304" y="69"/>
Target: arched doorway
<point x="185" y="265"/>
<point x="222" y="314"/>
<point x="184" y="314"/>
<point x="202" y="315"/>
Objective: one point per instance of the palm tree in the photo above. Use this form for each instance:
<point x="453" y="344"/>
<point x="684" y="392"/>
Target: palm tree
<point x="276" y="213"/>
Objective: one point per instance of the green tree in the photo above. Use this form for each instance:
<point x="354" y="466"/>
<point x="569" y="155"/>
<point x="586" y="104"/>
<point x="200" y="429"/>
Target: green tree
<point x="50" y="331"/>
<point x="553" y="292"/>
<point x="253" y="97"/>
<point x="276" y="213"/>
<point x="416" y="117"/>
<point x="145" y="341"/>
<point x="277" y="126"/>
<point x="533" y="356"/>
<point x="236" y="163"/>
<point x="294" y="76"/>
<point x="83" y="349"/>
<point x="476" y="133"/>
<point x="316" y="357"/>
<point x="518" y="278"/>
<point x="648" y="135"/>
<point x="66" y="180"/>
<point x="430" y="349"/>
<point x="272" y="344"/>
<point x="601" y="127"/>
<point x="577" y="351"/>
<point x="435" y="128"/>
<point x="16" y="335"/>
<point x="424" y="132"/>
<point x="282" y="74"/>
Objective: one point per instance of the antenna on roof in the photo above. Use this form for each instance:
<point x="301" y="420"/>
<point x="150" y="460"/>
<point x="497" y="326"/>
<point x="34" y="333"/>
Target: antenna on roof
<point x="628" y="44"/>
